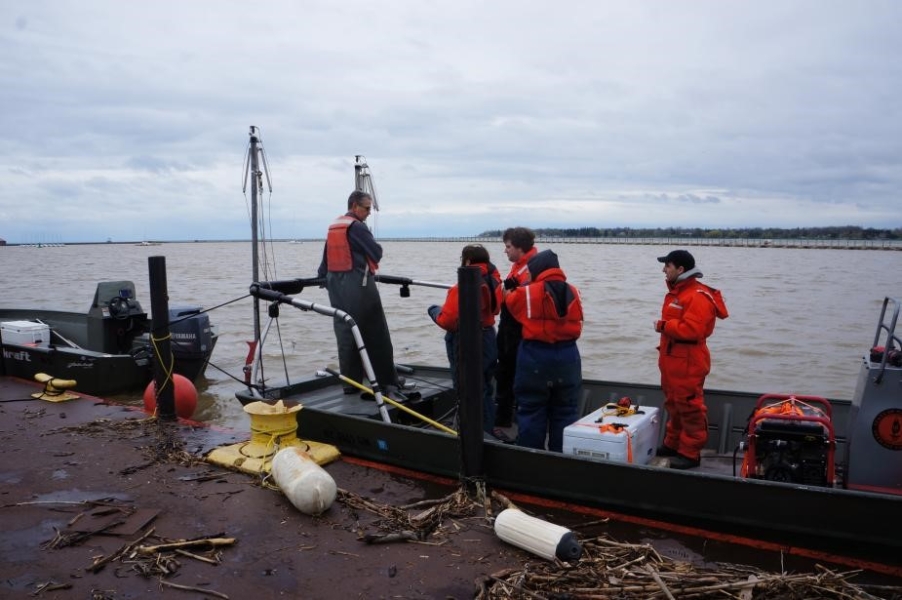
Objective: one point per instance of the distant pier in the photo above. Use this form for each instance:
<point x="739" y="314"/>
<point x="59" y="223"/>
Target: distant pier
<point x="685" y="242"/>
<point x="675" y="241"/>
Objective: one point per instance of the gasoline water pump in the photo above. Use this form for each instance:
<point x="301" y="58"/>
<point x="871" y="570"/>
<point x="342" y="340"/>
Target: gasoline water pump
<point x="790" y="439"/>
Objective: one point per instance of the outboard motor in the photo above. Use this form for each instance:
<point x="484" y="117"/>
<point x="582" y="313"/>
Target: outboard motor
<point x="192" y="339"/>
<point x="875" y="430"/>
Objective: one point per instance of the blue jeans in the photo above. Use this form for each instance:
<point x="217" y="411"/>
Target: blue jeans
<point x="489" y="364"/>
<point x="547" y="387"/>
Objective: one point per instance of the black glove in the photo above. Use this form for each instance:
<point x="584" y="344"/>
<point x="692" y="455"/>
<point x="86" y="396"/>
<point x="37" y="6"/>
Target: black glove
<point x="510" y="283"/>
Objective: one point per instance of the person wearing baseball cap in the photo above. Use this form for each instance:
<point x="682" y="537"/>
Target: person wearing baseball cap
<point x="687" y="320"/>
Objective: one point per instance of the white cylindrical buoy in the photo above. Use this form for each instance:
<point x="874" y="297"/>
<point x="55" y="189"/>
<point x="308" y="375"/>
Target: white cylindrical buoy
<point x="537" y="536"/>
<point x="306" y="484"/>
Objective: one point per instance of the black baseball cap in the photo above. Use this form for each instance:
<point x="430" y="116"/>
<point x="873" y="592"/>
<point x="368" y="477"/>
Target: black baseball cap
<point x="679" y="258"/>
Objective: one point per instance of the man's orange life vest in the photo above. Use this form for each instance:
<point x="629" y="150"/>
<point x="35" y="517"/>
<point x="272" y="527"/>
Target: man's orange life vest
<point x="338" y="249"/>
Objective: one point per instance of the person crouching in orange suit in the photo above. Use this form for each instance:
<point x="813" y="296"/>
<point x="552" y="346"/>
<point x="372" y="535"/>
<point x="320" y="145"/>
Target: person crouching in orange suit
<point x="687" y="320"/>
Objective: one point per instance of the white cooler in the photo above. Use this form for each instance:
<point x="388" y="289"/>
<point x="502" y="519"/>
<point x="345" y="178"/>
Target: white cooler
<point x="602" y="435"/>
<point x="25" y="333"/>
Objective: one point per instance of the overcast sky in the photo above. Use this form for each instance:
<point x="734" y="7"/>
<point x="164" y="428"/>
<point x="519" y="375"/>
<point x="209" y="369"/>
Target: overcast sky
<point x="129" y="120"/>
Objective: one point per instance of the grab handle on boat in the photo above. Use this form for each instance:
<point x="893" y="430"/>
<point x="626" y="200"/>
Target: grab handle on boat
<point x="292" y="286"/>
<point x="892" y="341"/>
<point x="60" y="336"/>
<point x="406" y="281"/>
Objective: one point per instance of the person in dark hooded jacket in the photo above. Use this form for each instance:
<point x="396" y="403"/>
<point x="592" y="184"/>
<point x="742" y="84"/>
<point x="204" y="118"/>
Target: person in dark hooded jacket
<point x="548" y="381"/>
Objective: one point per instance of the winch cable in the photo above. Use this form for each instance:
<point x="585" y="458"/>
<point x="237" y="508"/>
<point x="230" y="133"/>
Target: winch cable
<point x="273" y="312"/>
<point x="192" y="315"/>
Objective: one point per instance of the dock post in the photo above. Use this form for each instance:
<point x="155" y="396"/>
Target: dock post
<point x="164" y="361"/>
<point x="469" y="359"/>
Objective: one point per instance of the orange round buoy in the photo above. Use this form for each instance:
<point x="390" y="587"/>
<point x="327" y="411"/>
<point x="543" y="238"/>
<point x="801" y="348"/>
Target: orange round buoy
<point x="185" y="397"/>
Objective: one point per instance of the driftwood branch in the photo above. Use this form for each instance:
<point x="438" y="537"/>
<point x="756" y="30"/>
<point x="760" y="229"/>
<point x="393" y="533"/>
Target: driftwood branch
<point x="388" y="538"/>
<point x="654" y="573"/>
<point x="191" y="588"/>
<point x="213" y="541"/>
<point x="124" y="550"/>
<point x="612" y="569"/>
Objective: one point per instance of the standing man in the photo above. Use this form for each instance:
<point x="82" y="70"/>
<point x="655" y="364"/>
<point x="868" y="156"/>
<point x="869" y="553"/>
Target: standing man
<point x="519" y="248"/>
<point x="687" y="319"/>
<point x="350" y="259"/>
<point x="447" y="317"/>
<point x="548" y="382"/>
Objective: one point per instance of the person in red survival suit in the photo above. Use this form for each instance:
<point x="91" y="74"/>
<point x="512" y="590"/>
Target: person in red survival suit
<point x="350" y="259"/>
<point x="687" y="320"/>
<point x="447" y="317"/>
<point x="548" y="382"/>
<point x="519" y="248"/>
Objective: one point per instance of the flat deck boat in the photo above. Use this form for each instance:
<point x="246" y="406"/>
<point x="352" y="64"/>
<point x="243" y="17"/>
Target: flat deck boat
<point x="107" y="350"/>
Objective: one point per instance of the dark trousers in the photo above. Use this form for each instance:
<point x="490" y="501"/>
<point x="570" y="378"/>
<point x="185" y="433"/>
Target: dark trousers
<point x="509" y="336"/>
<point x="548" y="386"/>
<point x="363" y="303"/>
<point x="489" y="363"/>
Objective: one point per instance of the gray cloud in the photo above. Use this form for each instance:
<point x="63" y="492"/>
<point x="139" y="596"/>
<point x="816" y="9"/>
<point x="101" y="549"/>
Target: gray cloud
<point x="473" y="115"/>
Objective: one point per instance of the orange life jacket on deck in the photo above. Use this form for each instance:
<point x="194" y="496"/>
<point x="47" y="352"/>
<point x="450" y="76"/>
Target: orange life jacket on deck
<point x="338" y="248"/>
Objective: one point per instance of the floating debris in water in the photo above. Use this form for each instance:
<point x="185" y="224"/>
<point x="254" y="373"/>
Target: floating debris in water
<point x="610" y="569"/>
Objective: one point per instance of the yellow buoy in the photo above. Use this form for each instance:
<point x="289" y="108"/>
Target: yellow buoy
<point x="273" y="427"/>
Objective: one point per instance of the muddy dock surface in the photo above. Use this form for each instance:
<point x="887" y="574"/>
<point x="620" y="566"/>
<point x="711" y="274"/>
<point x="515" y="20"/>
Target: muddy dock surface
<point x="100" y="502"/>
<point x="71" y="467"/>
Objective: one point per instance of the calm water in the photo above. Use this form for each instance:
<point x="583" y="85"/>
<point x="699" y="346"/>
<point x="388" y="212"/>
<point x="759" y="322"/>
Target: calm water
<point x="800" y="319"/>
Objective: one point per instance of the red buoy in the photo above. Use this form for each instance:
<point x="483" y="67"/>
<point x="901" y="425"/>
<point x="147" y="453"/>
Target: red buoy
<point x="185" y="397"/>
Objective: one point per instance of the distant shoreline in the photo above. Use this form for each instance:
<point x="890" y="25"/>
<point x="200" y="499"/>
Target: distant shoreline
<point x="831" y="244"/>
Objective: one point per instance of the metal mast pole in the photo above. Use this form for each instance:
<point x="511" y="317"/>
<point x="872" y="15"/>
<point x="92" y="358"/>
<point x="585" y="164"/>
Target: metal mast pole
<point x="359" y="166"/>
<point x="256" y="184"/>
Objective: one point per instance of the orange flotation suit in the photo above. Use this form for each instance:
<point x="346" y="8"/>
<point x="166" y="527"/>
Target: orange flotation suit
<point x="687" y="320"/>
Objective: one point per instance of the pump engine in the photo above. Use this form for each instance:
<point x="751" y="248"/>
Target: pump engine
<point x="790" y="439"/>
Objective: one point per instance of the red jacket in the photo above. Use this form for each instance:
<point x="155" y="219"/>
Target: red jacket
<point x="687" y="320"/>
<point x="519" y="270"/>
<point x="549" y="309"/>
<point x="489" y="301"/>
<point x="689" y="310"/>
